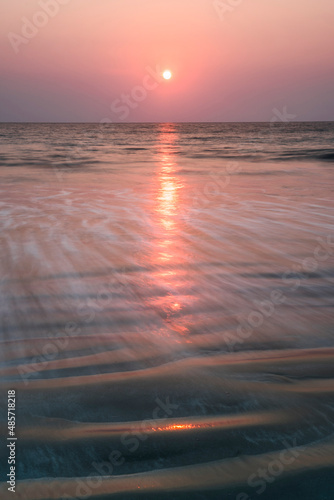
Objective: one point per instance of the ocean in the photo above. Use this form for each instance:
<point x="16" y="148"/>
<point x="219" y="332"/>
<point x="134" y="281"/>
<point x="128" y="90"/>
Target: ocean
<point x="166" y="312"/>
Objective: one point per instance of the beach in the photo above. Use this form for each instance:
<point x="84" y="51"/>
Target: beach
<point x="167" y="309"/>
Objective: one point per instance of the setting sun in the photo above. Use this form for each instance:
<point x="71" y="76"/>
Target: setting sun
<point x="167" y="74"/>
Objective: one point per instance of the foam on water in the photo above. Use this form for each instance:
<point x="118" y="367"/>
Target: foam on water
<point x="139" y="264"/>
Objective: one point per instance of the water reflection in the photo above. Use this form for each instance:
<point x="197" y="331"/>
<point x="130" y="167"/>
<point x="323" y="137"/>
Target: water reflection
<point x="168" y="193"/>
<point x="169" y="255"/>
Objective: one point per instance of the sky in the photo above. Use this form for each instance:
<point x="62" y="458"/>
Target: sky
<point x="101" y="60"/>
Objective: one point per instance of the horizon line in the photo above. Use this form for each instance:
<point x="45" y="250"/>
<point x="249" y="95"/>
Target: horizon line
<point x="159" y="122"/>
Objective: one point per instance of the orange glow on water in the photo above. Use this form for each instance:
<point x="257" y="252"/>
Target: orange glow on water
<point x="168" y="194"/>
<point x="169" y="257"/>
<point x="177" y="427"/>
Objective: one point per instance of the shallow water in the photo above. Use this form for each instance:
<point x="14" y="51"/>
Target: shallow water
<point x="167" y="309"/>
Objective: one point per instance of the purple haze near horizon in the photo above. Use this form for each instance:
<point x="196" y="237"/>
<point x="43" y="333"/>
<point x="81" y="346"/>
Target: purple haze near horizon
<point x="231" y="61"/>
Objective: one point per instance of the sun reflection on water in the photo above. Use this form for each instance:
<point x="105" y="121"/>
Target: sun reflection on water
<point x="169" y="187"/>
<point x="169" y="256"/>
<point x="177" y="427"/>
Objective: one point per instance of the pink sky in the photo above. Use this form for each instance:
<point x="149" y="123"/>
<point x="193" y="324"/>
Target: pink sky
<point x="89" y="54"/>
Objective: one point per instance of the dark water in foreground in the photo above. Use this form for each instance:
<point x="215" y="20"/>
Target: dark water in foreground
<point x="167" y="310"/>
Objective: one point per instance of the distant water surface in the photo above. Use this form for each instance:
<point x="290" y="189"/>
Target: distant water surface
<point x="166" y="312"/>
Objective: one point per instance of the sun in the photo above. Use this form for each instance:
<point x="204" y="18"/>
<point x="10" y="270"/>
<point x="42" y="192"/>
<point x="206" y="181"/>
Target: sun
<point x="167" y="74"/>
